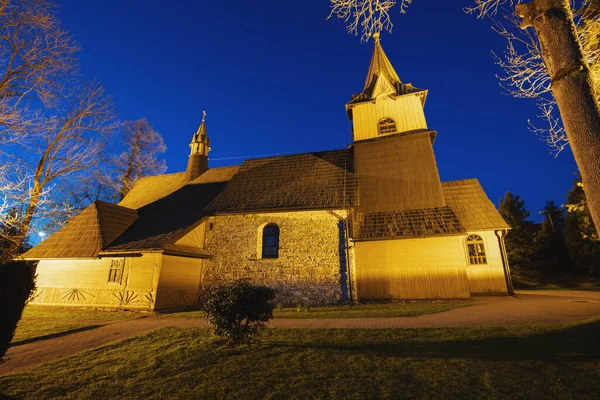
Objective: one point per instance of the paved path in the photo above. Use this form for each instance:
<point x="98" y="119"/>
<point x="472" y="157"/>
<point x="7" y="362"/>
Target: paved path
<point x="528" y="307"/>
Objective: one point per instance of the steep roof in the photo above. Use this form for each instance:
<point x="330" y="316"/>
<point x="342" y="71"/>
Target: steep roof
<point x="152" y="188"/>
<point x="318" y="180"/>
<point x="86" y="234"/>
<point x="424" y="222"/>
<point x="164" y="221"/>
<point x="381" y="67"/>
<point x="472" y="206"/>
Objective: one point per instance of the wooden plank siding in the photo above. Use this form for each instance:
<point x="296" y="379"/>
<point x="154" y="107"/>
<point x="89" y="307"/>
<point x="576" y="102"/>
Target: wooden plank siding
<point x="489" y="277"/>
<point x="407" y="111"/>
<point x="85" y="283"/>
<point x="428" y="268"/>
<point x="179" y="281"/>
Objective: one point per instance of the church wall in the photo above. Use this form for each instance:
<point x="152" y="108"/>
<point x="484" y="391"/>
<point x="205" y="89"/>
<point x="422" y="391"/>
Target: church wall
<point x="407" y="111"/>
<point x="85" y="283"/>
<point x="179" y="281"/>
<point x="488" y="278"/>
<point x="428" y="268"/>
<point x="311" y="264"/>
<point x="398" y="174"/>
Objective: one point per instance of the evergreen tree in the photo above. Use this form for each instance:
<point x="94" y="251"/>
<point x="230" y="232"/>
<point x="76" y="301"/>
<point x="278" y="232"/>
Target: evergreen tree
<point x="519" y="241"/>
<point x="580" y="232"/>
<point x="551" y="254"/>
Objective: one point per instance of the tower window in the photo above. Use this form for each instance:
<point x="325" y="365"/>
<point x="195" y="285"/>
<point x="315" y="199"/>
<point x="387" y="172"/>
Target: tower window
<point x="476" y="250"/>
<point x="387" y="125"/>
<point x="270" y="241"/>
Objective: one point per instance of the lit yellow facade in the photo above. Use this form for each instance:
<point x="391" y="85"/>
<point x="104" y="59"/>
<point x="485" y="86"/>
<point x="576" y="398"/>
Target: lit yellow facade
<point x="426" y="268"/>
<point x="150" y="281"/>
<point x="406" y="111"/>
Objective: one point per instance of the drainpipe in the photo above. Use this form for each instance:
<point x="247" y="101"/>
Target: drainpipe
<point x="348" y="264"/>
<point x="500" y="234"/>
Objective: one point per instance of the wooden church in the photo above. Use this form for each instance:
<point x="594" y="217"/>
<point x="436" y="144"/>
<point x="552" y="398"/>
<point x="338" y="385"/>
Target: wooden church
<point x="372" y="221"/>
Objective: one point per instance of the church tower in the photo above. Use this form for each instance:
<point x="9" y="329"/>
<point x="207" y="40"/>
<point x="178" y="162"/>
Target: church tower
<point x="385" y="105"/>
<point x="200" y="146"/>
<point x="393" y="147"/>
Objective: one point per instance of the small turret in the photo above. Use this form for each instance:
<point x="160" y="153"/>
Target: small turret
<point x="200" y="146"/>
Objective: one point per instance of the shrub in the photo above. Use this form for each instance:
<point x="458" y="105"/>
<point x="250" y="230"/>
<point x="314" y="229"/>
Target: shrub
<point x="238" y="310"/>
<point x="17" y="283"/>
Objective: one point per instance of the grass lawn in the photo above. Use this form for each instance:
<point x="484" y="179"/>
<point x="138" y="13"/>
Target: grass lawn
<point x="34" y="329"/>
<point x="560" y="361"/>
<point x="353" y="310"/>
<point x="35" y="311"/>
<point x="39" y="321"/>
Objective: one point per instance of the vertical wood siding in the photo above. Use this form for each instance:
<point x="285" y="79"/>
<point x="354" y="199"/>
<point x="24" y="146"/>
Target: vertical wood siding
<point x="411" y="269"/>
<point x="85" y="283"/>
<point x="488" y="278"/>
<point x="407" y="111"/>
<point x="179" y="281"/>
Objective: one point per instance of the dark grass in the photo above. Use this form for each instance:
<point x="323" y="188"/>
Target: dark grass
<point x="30" y="330"/>
<point x="360" y="310"/>
<point x="539" y="280"/>
<point x="559" y="361"/>
<point x="51" y="312"/>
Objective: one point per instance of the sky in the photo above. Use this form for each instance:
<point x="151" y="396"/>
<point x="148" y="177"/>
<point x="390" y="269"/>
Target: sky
<point x="274" y="76"/>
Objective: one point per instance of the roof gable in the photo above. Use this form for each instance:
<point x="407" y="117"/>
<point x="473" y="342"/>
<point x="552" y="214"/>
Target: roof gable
<point x="86" y="234"/>
<point x="166" y="220"/>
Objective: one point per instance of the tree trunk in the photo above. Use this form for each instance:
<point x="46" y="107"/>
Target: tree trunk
<point x="572" y="88"/>
<point x="32" y="199"/>
<point x="23" y="231"/>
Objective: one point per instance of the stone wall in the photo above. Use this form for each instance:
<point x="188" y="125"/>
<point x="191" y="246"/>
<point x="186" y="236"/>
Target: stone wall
<point x="310" y="269"/>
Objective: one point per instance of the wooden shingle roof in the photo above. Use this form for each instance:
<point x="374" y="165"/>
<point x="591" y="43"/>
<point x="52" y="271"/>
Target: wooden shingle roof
<point x="166" y="220"/>
<point x="152" y="188"/>
<point x="425" y="222"/>
<point x="321" y="180"/>
<point x="472" y="206"/>
<point x="86" y="234"/>
<point x="380" y="66"/>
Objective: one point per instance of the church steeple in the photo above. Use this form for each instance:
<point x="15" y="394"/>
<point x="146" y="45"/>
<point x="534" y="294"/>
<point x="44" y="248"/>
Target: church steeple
<point x="200" y="146"/>
<point x="380" y="66"/>
<point x="386" y="105"/>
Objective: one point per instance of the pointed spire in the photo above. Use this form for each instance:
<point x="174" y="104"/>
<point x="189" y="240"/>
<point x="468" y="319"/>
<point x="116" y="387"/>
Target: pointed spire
<point x="380" y="65"/>
<point x="200" y="146"/>
<point x="382" y="79"/>
<point x="201" y="129"/>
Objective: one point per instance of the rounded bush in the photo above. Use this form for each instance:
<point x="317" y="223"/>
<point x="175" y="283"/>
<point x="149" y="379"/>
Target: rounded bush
<point x="238" y="310"/>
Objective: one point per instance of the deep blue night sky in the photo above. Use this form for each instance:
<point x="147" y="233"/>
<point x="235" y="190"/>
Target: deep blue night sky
<point x="274" y="77"/>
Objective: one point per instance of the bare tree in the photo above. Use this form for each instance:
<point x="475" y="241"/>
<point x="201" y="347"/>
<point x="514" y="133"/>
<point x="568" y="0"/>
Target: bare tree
<point x="37" y="57"/>
<point x="67" y="142"/>
<point x="139" y="158"/>
<point x="555" y="41"/>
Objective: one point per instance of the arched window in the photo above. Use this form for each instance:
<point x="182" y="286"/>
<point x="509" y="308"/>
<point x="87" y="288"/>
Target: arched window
<point x="387" y="125"/>
<point x="270" y="241"/>
<point x="476" y="250"/>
